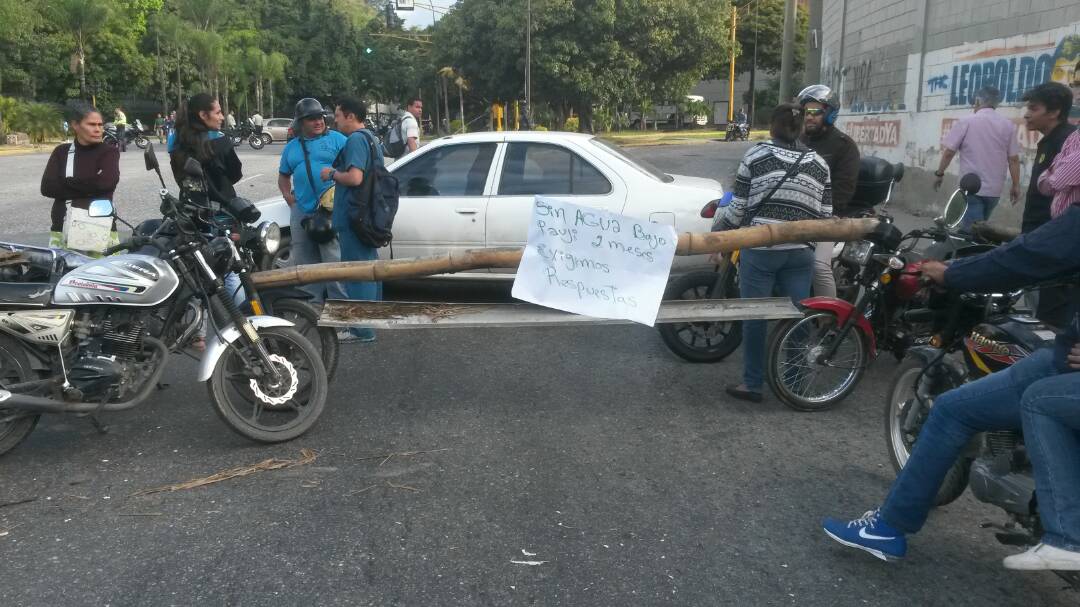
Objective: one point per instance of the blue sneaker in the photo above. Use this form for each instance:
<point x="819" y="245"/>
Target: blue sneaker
<point x="868" y="533"/>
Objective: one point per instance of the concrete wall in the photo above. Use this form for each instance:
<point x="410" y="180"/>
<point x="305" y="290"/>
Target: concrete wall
<point x="906" y="71"/>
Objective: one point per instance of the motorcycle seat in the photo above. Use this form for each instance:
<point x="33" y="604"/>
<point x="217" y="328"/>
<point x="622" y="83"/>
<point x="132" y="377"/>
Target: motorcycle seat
<point x="33" y="294"/>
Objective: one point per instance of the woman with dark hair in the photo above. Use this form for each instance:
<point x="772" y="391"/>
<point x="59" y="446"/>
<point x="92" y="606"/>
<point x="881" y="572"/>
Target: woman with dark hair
<point x="778" y="180"/>
<point x="198" y="136"/>
<point x="81" y="171"/>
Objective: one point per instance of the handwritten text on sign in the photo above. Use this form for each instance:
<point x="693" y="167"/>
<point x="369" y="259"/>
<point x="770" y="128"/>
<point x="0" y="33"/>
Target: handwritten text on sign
<point x="595" y="263"/>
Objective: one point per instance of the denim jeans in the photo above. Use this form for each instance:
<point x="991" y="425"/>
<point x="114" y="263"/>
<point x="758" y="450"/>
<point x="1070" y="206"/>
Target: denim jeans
<point x="990" y="403"/>
<point x="763" y="272"/>
<point x="1050" y="412"/>
<point x="979" y="209"/>
<point x="354" y="250"/>
<point x="304" y="250"/>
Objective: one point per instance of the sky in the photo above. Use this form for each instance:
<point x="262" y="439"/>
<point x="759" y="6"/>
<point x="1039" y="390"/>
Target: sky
<point x="421" y="17"/>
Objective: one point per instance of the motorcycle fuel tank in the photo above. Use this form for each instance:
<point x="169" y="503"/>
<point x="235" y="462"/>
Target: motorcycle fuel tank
<point x="124" y="280"/>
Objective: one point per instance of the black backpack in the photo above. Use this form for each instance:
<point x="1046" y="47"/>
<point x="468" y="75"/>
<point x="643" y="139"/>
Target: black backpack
<point x="395" y="149"/>
<point x="373" y="206"/>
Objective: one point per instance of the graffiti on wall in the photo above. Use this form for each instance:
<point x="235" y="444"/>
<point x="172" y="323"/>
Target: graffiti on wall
<point x="954" y="75"/>
<point x="854" y="82"/>
<point x="874" y="133"/>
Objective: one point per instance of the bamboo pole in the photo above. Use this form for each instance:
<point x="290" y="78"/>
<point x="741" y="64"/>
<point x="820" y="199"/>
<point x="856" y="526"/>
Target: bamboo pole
<point x="827" y="230"/>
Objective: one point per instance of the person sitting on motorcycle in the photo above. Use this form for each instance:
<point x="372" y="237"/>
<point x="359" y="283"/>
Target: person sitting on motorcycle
<point x="1040" y="393"/>
<point x="198" y="135"/>
<point x="821" y="107"/>
<point x="81" y="171"/>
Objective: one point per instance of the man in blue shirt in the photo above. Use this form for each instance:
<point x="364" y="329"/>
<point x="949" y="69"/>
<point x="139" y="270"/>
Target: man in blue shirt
<point x="349" y="173"/>
<point x="301" y="184"/>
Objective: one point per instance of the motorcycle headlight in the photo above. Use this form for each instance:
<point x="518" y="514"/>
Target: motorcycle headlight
<point x="857" y="253"/>
<point x="269" y="237"/>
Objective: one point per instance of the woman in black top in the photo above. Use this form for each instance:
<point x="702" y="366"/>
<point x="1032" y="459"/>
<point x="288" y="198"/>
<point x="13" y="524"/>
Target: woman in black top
<point x="81" y="171"/>
<point x="198" y="136"/>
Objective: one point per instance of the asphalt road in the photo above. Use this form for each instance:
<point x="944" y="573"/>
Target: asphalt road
<point x="445" y="456"/>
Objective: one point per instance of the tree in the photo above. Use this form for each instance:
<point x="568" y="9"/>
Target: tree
<point x="81" y="19"/>
<point x="453" y="75"/>
<point x="766" y="18"/>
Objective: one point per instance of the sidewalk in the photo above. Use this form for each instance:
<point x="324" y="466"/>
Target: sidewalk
<point x="640" y="138"/>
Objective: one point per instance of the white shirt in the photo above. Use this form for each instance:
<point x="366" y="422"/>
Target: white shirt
<point x="257" y="119"/>
<point x="230" y="120"/>
<point x="409" y="128"/>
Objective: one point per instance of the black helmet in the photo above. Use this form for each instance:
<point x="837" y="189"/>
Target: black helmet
<point x="318" y="227"/>
<point x="306" y="108"/>
<point x="825" y="96"/>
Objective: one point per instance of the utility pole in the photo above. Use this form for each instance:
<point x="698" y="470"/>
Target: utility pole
<point x="787" y="58"/>
<point x="731" y="72"/>
<point x="813" y="42"/>
<point x="528" y="62"/>
<point x="753" y="71"/>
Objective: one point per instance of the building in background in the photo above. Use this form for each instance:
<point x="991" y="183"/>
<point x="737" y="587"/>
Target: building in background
<point x="906" y="70"/>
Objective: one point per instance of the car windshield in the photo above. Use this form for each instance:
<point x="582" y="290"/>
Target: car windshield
<point x="641" y="165"/>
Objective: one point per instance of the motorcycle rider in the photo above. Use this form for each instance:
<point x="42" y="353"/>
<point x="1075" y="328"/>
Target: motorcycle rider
<point x="821" y="106"/>
<point x="81" y="171"/>
<point x="1028" y="394"/>
<point x="300" y="183"/>
<point x="120" y="122"/>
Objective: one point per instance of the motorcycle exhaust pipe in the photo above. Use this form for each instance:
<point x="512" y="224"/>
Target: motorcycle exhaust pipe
<point x="41" y="404"/>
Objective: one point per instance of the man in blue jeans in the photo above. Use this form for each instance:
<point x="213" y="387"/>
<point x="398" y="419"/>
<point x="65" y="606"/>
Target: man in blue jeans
<point x="1040" y="394"/>
<point x="349" y="171"/>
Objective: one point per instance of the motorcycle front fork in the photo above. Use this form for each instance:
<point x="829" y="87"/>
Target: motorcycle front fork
<point x="849" y="324"/>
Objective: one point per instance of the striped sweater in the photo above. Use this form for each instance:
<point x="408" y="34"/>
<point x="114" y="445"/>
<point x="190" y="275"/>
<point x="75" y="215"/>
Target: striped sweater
<point x="807" y="194"/>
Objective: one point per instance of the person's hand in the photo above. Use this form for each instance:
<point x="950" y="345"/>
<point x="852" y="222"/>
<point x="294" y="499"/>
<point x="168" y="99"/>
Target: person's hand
<point x="1074" y="357"/>
<point x="937" y="182"/>
<point x="935" y="271"/>
<point x="290" y="199"/>
<point x="1014" y="193"/>
<point x="325" y="174"/>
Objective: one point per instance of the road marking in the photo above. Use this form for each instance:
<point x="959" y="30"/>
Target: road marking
<point x="249" y="178"/>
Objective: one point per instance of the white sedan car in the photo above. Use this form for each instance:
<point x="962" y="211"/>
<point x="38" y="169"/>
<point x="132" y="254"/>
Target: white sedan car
<point x="476" y="190"/>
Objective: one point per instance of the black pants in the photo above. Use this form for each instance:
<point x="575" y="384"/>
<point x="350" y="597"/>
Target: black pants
<point x="121" y="137"/>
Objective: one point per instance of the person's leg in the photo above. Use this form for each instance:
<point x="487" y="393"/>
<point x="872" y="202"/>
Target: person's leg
<point x="304" y="250"/>
<point x="989" y="204"/>
<point x="1051" y="416"/>
<point x="757" y="276"/>
<point x="975" y="211"/>
<point x="990" y="403"/>
<point x="824" y="281"/>
<point x="330" y="253"/>
<point x="353" y="250"/>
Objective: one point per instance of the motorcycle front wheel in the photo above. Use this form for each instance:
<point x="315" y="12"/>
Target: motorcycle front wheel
<point x="236" y="140"/>
<point x="703" y="342"/>
<point x="794" y="368"/>
<point x="141" y="142"/>
<point x="256" y="142"/>
<point x="261" y="407"/>
<point x="901" y="397"/>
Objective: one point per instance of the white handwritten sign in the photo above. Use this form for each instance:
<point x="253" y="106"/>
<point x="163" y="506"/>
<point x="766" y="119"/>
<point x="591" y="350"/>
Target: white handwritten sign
<point x="595" y="263"/>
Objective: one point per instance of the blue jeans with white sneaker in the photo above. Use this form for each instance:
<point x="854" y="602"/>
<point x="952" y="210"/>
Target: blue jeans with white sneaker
<point x="1051" y="416"/>
<point x="991" y="403"/>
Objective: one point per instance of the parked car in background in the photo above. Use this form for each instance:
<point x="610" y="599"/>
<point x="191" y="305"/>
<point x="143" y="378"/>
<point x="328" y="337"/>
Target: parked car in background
<point x="279" y="129"/>
<point x="476" y="190"/>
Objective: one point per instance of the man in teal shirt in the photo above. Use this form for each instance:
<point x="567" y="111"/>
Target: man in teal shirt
<point x="301" y="184"/>
<point x="349" y="172"/>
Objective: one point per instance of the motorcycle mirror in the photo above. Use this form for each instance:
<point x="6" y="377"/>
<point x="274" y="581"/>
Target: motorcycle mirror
<point x="149" y="158"/>
<point x="100" y="208"/>
<point x="970" y="183"/>
<point x="193" y="168"/>
<point x="954" y="210"/>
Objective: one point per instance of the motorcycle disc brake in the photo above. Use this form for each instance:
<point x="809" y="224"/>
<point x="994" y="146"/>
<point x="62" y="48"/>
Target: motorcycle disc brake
<point x="283" y="392"/>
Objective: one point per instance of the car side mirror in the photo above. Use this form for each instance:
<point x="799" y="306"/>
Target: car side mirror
<point x="100" y="208"/>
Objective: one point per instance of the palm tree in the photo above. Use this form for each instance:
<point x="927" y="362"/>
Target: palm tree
<point x="82" y="19"/>
<point x="38" y="120"/>
<point x="462" y="85"/>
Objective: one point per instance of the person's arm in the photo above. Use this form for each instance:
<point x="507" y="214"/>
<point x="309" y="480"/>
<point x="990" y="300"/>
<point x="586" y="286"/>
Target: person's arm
<point x="284" y="185"/>
<point x="356" y="154"/>
<point x="352" y="177"/>
<point x="947" y="156"/>
<point x="411" y="144"/>
<point x="731" y="216"/>
<point x="1064" y="171"/>
<point x="1014" y="174"/>
<point x="845" y="178"/>
<point x="52" y="179"/>
<point x="950" y="144"/>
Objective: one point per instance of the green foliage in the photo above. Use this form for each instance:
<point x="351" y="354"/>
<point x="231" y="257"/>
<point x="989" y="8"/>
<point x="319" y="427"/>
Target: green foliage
<point x="766" y="17"/>
<point x="572" y="124"/>
<point x="539" y="127"/>
<point x="38" y="120"/>
<point x="455" y="126"/>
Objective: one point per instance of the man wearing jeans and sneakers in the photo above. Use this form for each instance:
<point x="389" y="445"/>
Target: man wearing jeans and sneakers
<point x="1040" y="394"/>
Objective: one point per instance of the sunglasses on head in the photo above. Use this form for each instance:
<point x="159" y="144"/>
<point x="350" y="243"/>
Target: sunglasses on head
<point x="813" y="111"/>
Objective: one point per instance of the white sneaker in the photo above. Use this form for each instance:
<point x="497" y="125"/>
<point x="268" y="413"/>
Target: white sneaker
<point x="1043" y="557"/>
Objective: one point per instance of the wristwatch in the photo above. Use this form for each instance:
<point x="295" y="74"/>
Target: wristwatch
<point x="939" y="173"/>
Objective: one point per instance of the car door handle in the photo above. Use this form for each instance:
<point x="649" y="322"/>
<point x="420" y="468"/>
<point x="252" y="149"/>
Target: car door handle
<point x="467" y="210"/>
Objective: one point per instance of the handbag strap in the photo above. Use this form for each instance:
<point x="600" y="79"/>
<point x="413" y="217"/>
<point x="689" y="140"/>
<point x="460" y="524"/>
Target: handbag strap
<point x="307" y="165"/>
<point x="747" y="218"/>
